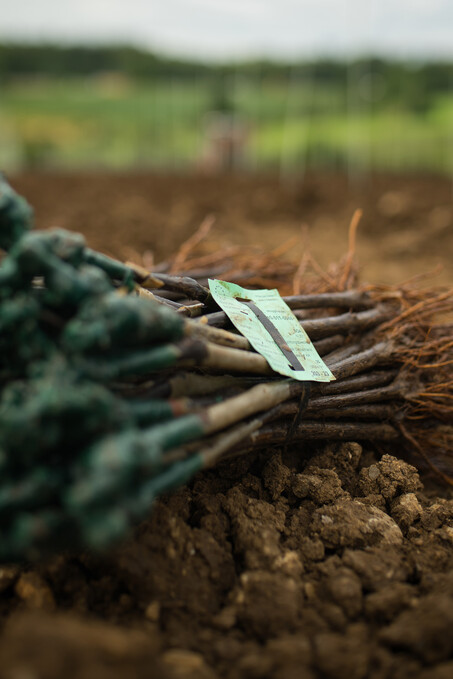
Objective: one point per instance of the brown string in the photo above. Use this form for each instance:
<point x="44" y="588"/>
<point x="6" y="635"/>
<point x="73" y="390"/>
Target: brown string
<point x="303" y="403"/>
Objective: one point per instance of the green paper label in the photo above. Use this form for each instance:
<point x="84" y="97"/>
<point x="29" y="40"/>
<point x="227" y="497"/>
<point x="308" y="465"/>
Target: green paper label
<point x="272" y="329"/>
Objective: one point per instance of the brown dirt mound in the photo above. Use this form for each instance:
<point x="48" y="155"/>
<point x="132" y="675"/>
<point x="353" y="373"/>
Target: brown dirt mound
<point x="324" y="562"/>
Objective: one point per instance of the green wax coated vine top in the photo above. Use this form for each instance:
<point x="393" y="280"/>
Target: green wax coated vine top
<point x="65" y="245"/>
<point x="49" y="419"/>
<point x="15" y="216"/>
<point x="22" y="340"/>
<point x="98" y="529"/>
<point x="114" y="269"/>
<point x="80" y="463"/>
<point x="119" y="322"/>
<point x="139" y="362"/>
<point x="40" y="254"/>
<point x="113" y="462"/>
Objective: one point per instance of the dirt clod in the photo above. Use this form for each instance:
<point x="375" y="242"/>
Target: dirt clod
<point x="34" y="592"/>
<point x="320" y="563"/>
<point x="350" y="523"/>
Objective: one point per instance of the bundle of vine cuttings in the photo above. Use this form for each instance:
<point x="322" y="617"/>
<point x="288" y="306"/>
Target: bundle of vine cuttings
<point x="119" y="383"/>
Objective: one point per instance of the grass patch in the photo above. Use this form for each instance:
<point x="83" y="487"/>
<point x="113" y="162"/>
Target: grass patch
<point x="103" y="122"/>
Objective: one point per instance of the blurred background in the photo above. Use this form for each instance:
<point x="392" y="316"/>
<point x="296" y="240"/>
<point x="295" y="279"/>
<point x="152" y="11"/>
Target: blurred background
<point x="335" y="106"/>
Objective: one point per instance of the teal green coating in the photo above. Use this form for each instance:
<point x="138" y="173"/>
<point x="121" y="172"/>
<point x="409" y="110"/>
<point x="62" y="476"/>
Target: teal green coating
<point x="66" y="290"/>
<point x="66" y="413"/>
<point x="114" y="463"/>
<point x="21" y="338"/>
<point x="111" y="469"/>
<point x="10" y="278"/>
<point x="16" y="216"/>
<point x="176" y="432"/>
<point x="99" y="529"/>
<point x="33" y="534"/>
<point x="120" y="322"/>
<point x="102" y="489"/>
<point x="137" y="363"/>
<point x="114" y="269"/>
<point x="65" y="245"/>
<point x="37" y="254"/>
<point x="29" y="493"/>
<point x="150" y="412"/>
<point x="170" y="478"/>
<point x="122" y="453"/>
<point x="79" y="463"/>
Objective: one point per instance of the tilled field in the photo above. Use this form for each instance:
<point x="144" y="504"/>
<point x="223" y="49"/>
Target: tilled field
<point x="406" y="229"/>
<point x="321" y="562"/>
<point x="311" y="561"/>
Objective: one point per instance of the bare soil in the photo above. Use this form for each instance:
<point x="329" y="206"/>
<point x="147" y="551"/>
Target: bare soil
<point x="406" y="229"/>
<point x="316" y="562"/>
<point x="310" y="562"/>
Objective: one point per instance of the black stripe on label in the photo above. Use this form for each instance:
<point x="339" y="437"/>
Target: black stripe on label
<point x="278" y="338"/>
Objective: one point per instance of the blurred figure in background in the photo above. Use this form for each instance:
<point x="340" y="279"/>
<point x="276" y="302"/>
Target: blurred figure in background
<point x="225" y="133"/>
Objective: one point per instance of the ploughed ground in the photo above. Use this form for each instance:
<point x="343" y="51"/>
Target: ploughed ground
<point x="406" y="229"/>
<point x="307" y="562"/>
<point x="312" y="562"/>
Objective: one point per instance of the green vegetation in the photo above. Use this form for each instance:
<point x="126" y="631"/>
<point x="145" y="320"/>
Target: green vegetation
<point x="121" y="107"/>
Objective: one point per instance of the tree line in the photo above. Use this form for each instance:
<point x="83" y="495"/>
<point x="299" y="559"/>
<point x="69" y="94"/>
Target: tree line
<point x="411" y="83"/>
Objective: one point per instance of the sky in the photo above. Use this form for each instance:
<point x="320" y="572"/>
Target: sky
<point x="230" y="29"/>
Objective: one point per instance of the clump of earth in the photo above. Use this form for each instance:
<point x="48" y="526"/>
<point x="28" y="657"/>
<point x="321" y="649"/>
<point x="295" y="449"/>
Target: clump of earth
<point x="312" y="562"/>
